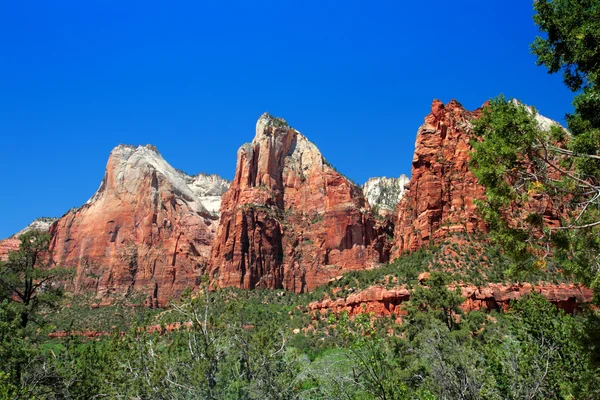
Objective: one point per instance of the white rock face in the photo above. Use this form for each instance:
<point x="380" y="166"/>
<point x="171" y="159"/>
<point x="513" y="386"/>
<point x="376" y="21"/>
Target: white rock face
<point x="39" y="224"/>
<point x="209" y="189"/>
<point x="131" y="165"/>
<point x="385" y="193"/>
<point x="303" y="156"/>
<point x="543" y="123"/>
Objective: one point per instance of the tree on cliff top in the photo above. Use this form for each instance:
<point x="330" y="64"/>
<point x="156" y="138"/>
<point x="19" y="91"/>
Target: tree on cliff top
<point x="521" y="163"/>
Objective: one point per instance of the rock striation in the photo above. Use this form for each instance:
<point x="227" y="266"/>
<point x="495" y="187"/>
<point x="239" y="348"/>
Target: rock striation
<point x="148" y="229"/>
<point x="289" y="219"/>
<point x="383" y="194"/>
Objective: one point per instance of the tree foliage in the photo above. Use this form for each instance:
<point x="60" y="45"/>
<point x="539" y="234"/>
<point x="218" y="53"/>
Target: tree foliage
<point x="535" y="173"/>
<point x="29" y="282"/>
<point x="28" y="276"/>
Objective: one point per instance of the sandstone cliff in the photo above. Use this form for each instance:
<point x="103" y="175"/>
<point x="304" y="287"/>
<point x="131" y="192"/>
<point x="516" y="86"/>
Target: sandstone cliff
<point x="442" y="189"/>
<point x="440" y="197"/>
<point x="148" y="229"/>
<point x="7" y="245"/>
<point x="290" y="220"/>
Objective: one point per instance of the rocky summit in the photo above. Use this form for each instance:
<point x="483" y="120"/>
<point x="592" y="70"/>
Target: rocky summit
<point x="440" y="197"/>
<point x="289" y="219"/>
<point x="147" y="230"/>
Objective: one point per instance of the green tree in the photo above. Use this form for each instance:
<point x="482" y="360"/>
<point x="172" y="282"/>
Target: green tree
<point x="442" y="354"/>
<point x="435" y="300"/>
<point x="28" y="275"/>
<point x="27" y="281"/>
<point x="539" y="352"/>
<point x="523" y="162"/>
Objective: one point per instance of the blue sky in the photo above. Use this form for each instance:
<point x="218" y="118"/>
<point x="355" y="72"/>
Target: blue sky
<point x="191" y="77"/>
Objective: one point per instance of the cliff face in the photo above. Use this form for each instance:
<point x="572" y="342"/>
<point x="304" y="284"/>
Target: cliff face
<point x="442" y="189"/>
<point x="440" y="197"/>
<point x="383" y="194"/>
<point x="289" y="219"/>
<point x="148" y="229"/>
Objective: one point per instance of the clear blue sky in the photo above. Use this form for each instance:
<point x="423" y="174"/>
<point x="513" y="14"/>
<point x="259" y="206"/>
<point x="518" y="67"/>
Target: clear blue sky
<point x="191" y="77"/>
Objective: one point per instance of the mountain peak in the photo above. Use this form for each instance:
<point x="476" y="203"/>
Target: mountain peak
<point x="128" y="148"/>
<point x="267" y="120"/>
<point x="148" y="228"/>
<point x="129" y="167"/>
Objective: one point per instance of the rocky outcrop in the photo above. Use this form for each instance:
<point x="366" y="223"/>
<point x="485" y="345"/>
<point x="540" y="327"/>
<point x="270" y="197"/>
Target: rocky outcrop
<point x="8" y="245"/>
<point x="440" y="197"/>
<point x="494" y="296"/>
<point x="441" y="193"/>
<point x="383" y="194"/>
<point x="148" y="229"/>
<point x="290" y="220"/>
<point x="90" y="334"/>
<point x="376" y="299"/>
<point x="209" y="190"/>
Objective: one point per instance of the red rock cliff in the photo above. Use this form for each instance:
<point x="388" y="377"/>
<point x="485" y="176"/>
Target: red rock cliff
<point x="146" y="230"/>
<point x="439" y="199"/>
<point x="289" y="219"/>
<point x="493" y="296"/>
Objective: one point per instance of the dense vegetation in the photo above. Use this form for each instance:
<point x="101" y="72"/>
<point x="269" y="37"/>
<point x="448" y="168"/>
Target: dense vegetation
<point x="522" y="163"/>
<point x="261" y="344"/>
